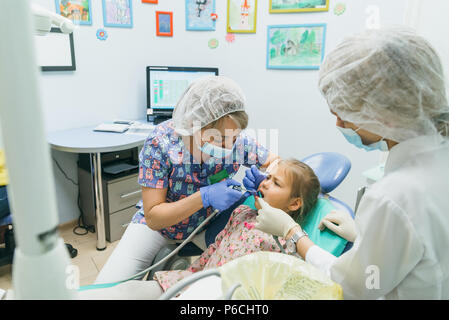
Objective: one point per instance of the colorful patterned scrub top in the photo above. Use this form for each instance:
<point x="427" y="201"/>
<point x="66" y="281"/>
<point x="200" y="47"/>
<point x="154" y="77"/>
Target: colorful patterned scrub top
<point x="166" y="163"/>
<point x="237" y="239"/>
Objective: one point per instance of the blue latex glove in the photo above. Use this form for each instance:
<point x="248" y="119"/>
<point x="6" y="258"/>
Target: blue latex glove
<point x="253" y="178"/>
<point x="220" y="195"/>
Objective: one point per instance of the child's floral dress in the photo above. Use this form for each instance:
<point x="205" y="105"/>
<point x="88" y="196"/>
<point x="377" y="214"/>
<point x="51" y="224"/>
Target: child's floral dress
<point x="238" y="238"/>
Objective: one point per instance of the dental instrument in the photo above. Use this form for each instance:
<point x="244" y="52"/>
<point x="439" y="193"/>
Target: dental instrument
<point x="41" y="268"/>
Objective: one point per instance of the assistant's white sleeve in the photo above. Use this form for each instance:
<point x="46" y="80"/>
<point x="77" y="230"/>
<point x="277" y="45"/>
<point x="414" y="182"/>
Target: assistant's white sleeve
<point x="320" y="258"/>
<point x="386" y="250"/>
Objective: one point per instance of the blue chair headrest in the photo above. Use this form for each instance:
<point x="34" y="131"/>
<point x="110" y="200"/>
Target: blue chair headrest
<point x="330" y="167"/>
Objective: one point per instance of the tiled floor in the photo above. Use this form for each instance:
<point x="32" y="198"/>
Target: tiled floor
<point x="89" y="259"/>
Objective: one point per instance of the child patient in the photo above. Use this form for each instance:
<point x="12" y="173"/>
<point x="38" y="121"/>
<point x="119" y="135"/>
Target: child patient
<point x="291" y="186"/>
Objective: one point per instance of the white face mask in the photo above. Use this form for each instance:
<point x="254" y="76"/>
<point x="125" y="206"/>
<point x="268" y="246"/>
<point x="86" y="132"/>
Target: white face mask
<point x="215" y="151"/>
<point x="353" y="138"/>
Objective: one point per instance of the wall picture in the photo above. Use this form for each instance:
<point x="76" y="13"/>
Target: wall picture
<point x="164" y="23"/>
<point x="117" y="13"/>
<point x="242" y="16"/>
<point x="79" y="11"/>
<point x="199" y="15"/>
<point x="281" y="6"/>
<point x="296" y="46"/>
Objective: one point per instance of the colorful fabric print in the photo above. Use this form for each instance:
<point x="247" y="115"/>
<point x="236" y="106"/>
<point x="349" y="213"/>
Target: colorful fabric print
<point x="238" y="238"/>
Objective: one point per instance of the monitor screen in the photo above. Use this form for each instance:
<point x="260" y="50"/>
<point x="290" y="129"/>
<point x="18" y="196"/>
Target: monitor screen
<point x="165" y="85"/>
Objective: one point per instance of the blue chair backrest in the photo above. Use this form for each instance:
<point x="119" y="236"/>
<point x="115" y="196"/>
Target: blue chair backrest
<point x="331" y="169"/>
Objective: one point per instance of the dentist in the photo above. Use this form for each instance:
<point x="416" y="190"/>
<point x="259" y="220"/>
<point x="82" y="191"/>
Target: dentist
<point x="386" y="88"/>
<point x="185" y="171"/>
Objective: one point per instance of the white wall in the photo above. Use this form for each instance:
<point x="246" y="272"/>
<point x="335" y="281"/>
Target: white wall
<point x="110" y="80"/>
<point x="429" y="18"/>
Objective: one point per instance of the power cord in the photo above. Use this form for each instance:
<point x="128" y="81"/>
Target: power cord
<point x="81" y="224"/>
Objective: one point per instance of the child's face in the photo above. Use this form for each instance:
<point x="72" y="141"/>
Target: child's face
<point x="276" y="190"/>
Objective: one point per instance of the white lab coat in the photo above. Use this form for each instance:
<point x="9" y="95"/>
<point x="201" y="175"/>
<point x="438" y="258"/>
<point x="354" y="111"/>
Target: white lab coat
<point x="402" y="229"/>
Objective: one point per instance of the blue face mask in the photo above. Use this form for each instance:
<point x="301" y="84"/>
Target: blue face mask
<point x="355" y="139"/>
<point x="215" y="151"/>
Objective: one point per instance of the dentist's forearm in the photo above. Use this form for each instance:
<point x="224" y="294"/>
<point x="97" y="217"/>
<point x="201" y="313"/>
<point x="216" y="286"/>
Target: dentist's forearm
<point x="313" y="254"/>
<point x="170" y="213"/>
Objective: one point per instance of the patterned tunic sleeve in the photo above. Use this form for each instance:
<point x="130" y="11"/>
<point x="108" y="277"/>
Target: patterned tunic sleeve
<point x="154" y="163"/>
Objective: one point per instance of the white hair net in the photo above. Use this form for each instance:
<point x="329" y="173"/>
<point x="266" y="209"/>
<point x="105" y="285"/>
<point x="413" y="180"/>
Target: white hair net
<point x="206" y="100"/>
<point x="389" y="82"/>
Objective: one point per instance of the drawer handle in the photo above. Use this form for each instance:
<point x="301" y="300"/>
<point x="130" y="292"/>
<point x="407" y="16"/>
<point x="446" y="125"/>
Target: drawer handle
<point x="126" y="195"/>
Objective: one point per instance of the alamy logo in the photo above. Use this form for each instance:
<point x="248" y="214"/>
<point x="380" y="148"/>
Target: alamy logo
<point x="373" y="277"/>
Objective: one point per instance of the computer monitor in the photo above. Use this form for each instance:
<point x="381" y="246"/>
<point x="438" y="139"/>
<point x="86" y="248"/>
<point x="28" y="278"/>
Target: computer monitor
<point x="165" y="85"/>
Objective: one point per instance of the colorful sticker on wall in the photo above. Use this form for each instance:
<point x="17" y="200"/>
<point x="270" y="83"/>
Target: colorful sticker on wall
<point x="282" y="6"/>
<point x="164" y="23"/>
<point x="213" y="43"/>
<point x="118" y="13"/>
<point x="102" y="34"/>
<point x="339" y="9"/>
<point x="199" y="15"/>
<point x="230" y="37"/>
<point x="296" y="46"/>
<point x="150" y="1"/>
<point x="242" y="16"/>
<point x="79" y="11"/>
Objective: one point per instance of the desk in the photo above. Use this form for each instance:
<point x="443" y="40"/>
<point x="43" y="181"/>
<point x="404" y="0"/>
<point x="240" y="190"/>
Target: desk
<point x="85" y="140"/>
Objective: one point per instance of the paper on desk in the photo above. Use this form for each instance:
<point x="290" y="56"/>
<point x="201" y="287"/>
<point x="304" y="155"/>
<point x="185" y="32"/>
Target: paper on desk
<point x="140" y="129"/>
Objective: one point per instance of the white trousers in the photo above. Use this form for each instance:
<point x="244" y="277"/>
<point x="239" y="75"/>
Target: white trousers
<point x="134" y="253"/>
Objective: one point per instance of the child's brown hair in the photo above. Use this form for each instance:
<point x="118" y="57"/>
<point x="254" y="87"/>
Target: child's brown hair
<point x="304" y="184"/>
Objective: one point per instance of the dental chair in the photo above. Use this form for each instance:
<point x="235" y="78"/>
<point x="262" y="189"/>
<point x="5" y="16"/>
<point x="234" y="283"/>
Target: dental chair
<point x="331" y="169"/>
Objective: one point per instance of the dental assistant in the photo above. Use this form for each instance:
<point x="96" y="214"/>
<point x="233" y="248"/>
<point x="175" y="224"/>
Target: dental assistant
<point x="386" y="88"/>
<point x="185" y="171"/>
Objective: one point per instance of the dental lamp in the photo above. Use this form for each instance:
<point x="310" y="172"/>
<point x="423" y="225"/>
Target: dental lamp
<point x="41" y="260"/>
<point x="44" y="20"/>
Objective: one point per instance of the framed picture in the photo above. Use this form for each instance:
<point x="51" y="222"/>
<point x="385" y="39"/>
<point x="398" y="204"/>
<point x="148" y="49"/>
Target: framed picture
<point x="198" y="15"/>
<point x="118" y="13"/>
<point x="150" y="1"/>
<point x="296" y="46"/>
<point x="55" y="52"/>
<point x="79" y="11"/>
<point x="164" y="23"/>
<point x="242" y="16"/>
<point x="282" y="6"/>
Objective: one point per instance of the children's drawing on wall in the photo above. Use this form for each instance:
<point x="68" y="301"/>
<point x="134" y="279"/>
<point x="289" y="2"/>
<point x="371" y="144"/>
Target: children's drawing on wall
<point x="117" y="13"/>
<point x="76" y="10"/>
<point x="242" y="16"/>
<point x="277" y="6"/>
<point x="295" y="46"/>
<point x="164" y="23"/>
<point x="199" y="15"/>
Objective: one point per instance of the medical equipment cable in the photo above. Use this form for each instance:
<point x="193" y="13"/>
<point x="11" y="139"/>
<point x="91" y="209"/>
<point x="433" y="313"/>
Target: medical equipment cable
<point x="143" y="272"/>
<point x="189" y="238"/>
